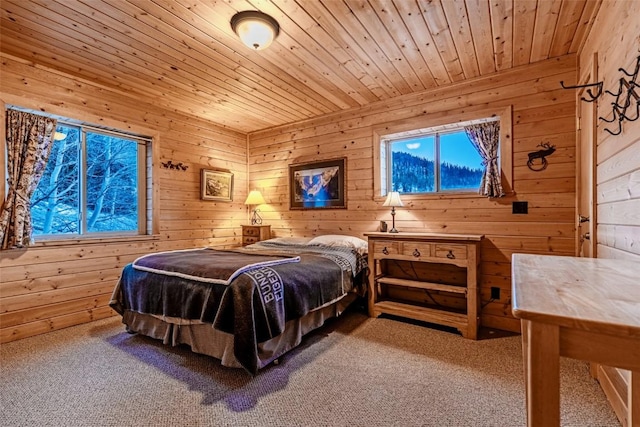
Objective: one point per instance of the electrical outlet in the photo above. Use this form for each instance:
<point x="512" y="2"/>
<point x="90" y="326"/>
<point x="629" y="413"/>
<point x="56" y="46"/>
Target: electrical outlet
<point x="520" y="207"/>
<point x="495" y="292"/>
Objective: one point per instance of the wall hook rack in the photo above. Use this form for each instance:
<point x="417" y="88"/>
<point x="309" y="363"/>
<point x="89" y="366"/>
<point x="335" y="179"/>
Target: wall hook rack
<point x="627" y="91"/>
<point x="592" y="96"/>
<point x="625" y="97"/>
<point x="177" y="166"/>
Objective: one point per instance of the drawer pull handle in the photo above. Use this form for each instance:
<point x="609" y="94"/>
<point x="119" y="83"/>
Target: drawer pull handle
<point x="416" y="253"/>
<point x="450" y="255"/>
<point x="385" y="251"/>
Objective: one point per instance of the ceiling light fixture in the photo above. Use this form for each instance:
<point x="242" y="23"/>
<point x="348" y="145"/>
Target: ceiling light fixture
<point x="256" y="29"/>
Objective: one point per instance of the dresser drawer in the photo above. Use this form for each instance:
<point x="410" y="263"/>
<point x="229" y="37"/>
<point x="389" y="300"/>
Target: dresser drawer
<point x="450" y="251"/>
<point x="247" y="240"/>
<point x="255" y="233"/>
<point x="416" y="250"/>
<point x="384" y="249"/>
<point x="251" y="231"/>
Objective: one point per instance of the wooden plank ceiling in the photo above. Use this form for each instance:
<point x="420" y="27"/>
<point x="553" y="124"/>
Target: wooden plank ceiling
<point x="331" y="55"/>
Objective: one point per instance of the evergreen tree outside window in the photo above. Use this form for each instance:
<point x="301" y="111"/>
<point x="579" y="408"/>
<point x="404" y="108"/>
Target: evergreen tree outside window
<point x="94" y="183"/>
<point x="435" y="160"/>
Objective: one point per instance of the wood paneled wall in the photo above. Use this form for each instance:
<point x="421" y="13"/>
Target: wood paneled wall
<point x="615" y="38"/>
<point x="52" y="286"/>
<point x="542" y="112"/>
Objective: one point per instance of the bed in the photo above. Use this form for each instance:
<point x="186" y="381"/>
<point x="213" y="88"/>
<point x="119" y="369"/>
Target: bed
<point x="246" y="306"/>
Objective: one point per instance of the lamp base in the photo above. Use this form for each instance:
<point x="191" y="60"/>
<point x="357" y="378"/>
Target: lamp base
<point x="256" y="219"/>
<point x="393" y="220"/>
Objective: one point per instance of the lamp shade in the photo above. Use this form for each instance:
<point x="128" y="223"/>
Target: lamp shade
<point x="393" y="199"/>
<point x="255" y="198"/>
<point x="256" y="30"/>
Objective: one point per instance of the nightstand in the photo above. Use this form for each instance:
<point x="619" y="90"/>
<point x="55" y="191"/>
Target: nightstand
<point x="255" y="233"/>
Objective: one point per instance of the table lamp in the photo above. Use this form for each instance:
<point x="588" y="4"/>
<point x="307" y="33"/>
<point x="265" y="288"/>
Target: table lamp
<point x="393" y="200"/>
<point x="254" y="199"/>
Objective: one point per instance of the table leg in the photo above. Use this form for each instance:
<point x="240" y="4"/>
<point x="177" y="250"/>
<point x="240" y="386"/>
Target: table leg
<point x="524" y="327"/>
<point x="542" y="367"/>
<point x="633" y="403"/>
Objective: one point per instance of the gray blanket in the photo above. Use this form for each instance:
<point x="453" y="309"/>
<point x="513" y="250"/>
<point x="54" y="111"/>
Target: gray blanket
<point x="255" y="304"/>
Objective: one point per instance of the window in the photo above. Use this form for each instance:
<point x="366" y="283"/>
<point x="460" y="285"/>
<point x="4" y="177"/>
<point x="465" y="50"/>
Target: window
<point x="436" y="159"/>
<point x="433" y="162"/>
<point x="95" y="182"/>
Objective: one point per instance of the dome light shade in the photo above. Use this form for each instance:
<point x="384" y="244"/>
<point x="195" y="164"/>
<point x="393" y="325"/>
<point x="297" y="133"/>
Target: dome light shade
<point x="256" y="29"/>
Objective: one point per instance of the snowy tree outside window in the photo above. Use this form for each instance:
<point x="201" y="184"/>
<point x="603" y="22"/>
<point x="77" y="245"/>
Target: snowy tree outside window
<point x="94" y="182"/>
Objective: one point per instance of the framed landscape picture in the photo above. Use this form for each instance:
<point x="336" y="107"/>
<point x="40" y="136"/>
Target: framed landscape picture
<point x="216" y="185"/>
<point x="318" y="185"/>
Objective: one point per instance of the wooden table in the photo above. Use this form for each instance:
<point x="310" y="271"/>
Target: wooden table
<point x="445" y="264"/>
<point x="583" y="308"/>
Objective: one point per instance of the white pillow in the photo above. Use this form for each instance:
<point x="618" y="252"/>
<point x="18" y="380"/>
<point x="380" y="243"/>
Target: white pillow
<point x="290" y="240"/>
<point x="340" y="240"/>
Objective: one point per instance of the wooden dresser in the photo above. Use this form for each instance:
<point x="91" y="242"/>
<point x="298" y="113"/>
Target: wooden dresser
<point x="440" y="269"/>
<point x="255" y="233"/>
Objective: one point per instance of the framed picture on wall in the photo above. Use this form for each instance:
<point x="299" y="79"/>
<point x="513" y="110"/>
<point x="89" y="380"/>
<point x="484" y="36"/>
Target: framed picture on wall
<point x="318" y="185"/>
<point x="216" y="185"/>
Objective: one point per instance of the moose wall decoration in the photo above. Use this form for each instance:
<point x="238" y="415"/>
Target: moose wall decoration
<point x="547" y="150"/>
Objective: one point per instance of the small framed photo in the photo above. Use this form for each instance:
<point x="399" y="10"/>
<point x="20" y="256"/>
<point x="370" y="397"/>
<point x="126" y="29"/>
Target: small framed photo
<point x="216" y="185"/>
<point x="318" y="185"/>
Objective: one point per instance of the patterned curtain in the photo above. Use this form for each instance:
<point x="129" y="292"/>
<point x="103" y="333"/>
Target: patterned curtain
<point x="29" y="142"/>
<point x="486" y="138"/>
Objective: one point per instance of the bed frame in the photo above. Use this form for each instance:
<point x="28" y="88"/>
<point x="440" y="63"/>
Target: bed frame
<point x="204" y="339"/>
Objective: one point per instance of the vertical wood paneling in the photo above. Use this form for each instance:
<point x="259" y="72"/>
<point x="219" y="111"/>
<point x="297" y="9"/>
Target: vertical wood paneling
<point x="568" y="21"/>
<point x="615" y="37"/>
<point x="410" y="13"/>
<point x="436" y="20"/>
<point x="524" y="19"/>
<point x="457" y="17"/>
<point x="397" y="42"/>
<point x="502" y="27"/>
<point x="541" y="112"/>
<point x="47" y="287"/>
<point x="546" y="19"/>
<point x="361" y="37"/>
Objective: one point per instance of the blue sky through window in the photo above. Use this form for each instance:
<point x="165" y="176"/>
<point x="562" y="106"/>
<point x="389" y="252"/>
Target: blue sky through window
<point x="455" y="148"/>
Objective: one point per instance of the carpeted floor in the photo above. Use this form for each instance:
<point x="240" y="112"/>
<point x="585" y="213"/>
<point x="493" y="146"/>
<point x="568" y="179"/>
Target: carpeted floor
<point x="355" y="371"/>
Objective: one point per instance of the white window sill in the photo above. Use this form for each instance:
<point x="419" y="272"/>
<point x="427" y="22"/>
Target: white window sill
<point x="94" y="240"/>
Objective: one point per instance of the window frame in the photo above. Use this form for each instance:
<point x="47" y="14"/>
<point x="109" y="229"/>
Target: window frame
<point x="434" y="132"/>
<point x="418" y="125"/>
<point x="152" y="176"/>
<point x="143" y="146"/>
